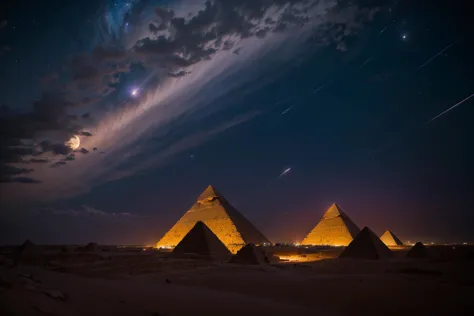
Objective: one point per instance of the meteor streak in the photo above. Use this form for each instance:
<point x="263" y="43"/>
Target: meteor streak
<point x="451" y="108"/>
<point x="284" y="172"/>
<point x="436" y="55"/>
<point x="366" y="61"/>
<point x="288" y="109"/>
<point x="316" y="90"/>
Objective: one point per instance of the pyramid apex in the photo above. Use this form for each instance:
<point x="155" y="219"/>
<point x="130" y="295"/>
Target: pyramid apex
<point x="335" y="228"/>
<point x="209" y="194"/>
<point x="333" y="211"/>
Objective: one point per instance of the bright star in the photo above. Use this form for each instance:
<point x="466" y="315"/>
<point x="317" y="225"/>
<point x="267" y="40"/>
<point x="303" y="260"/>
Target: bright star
<point x="404" y="37"/>
<point x="135" y="91"/>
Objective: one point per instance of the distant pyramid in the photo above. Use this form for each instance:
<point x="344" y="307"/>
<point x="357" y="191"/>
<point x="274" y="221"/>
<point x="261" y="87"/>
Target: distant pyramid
<point x="390" y="239"/>
<point x="334" y="229"/>
<point x="28" y="248"/>
<point x="418" y="251"/>
<point x="231" y="227"/>
<point x="250" y="255"/>
<point x="92" y="247"/>
<point x="366" y="245"/>
<point x="201" y="240"/>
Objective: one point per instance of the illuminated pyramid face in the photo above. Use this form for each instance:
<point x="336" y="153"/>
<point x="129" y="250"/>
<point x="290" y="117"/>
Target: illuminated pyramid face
<point x="231" y="227"/>
<point x="390" y="239"/>
<point x="334" y="229"/>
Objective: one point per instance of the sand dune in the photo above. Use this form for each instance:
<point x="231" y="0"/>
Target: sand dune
<point x="152" y="283"/>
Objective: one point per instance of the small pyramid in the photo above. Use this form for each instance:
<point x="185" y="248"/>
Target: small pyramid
<point x="28" y="248"/>
<point x="418" y="251"/>
<point x="27" y="244"/>
<point x="366" y="245"/>
<point x="231" y="227"/>
<point x="250" y="254"/>
<point x="334" y="229"/>
<point x="92" y="247"/>
<point x="201" y="240"/>
<point x="390" y="239"/>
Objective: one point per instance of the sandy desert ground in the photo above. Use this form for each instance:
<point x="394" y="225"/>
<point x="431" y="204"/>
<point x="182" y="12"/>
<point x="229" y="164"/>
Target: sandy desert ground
<point x="133" y="281"/>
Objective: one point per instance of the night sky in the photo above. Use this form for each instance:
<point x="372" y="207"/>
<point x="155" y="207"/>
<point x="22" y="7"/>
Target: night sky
<point x="168" y="97"/>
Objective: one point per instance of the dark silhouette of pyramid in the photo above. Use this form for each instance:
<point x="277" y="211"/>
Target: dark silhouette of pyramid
<point x="92" y="247"/>
<point x="334" y="229"/>
<point x="212" y="208"/>
<point x="28" y="248"/>
<point x="390" y="239"/>
<point x="366" y="245"/>
<point x="250" y="254"/>
<point x="201" y="240"/>
<point x="418" y="251"/>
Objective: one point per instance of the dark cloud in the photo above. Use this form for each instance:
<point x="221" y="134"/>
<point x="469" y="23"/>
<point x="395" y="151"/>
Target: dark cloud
<point x="164" y="14"/>
<point x="83" y="133"/>
<point x="49" y="115"/>
<point x="57" y="149"/>
<point x="38" y="160"/>
<point x="179" y="74"/>
<point x="237" y="51"/>
<point x="20" y="180"/>
<point x="88" y="211"/>
<point x="262" y="32"/>
<point x="155" y="29"/>
<point x="84" y="151"/>
<point x="58" y="164"/>
<point x="7" y="170"/>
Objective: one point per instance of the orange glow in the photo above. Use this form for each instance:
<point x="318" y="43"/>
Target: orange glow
<point x="299" y="258"/>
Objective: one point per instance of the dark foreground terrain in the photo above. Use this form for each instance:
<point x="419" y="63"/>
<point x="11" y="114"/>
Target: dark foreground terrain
<point x="135" y="281"/>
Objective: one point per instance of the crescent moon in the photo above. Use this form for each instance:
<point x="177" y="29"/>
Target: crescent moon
<point x="74" y="142"/>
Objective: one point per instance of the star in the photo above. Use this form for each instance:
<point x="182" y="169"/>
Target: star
<point x="404" y="37"/>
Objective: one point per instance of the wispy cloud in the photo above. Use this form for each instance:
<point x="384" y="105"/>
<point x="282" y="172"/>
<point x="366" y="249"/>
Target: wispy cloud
<point x="88" y="211"/>
<point x="182" y="65"/>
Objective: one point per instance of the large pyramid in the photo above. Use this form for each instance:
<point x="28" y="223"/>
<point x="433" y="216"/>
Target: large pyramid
<point x="366" y="245"/>
<point x="390" y="239"/>
<point x="201" y="240"/>
<point x="334" y="229"/>
<point x="231" y="227"/>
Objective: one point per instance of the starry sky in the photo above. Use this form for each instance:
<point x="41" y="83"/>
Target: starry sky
<point x="285" y="106"/>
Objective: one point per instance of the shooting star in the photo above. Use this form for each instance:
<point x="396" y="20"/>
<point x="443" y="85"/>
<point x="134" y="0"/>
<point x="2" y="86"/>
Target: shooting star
<point x="383" y="30"/>
<point x="288" y="109"/>
<point x="436" y="55"/>
<point x="365" y="62"/>
<point x="451" y="108"/>
<point x="284" y="172"/>
<point x="317" y="89"/>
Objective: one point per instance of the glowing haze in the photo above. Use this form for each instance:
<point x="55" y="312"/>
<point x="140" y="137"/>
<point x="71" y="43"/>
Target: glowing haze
<point x="164" y="68"/>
